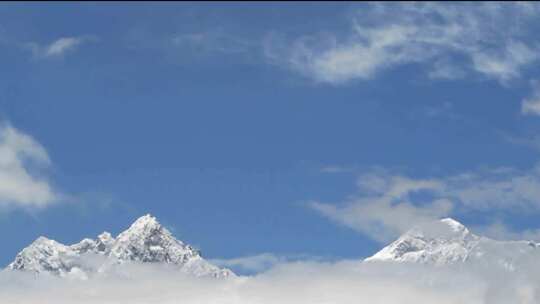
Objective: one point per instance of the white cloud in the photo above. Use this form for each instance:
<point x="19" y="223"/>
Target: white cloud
<point x="499" y="231"/>
<point x="444" y="110"/>
<point x="496" y="189"/>
<point x="335" y="169"/>
<point x="507" y="64"/>
<point x="60" y="46"/>
<point x="445" y="69"/>
<point x="21" y="158"/>
<point x="385" y="208"/>
<point x="531" y="104"/>
<point x="485" y="38"/>
<point x="210" y="42"/>
<point x="344" y="282"/>
<point x="386" y="205"/>
<point x="258" y="263"/>
<point x="254" y="263"/>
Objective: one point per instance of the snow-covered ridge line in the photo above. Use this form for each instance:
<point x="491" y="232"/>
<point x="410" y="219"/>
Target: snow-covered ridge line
<point x="145" y="241"/>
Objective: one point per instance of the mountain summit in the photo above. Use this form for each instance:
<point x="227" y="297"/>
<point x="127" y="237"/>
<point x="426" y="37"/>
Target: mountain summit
<point x="145" y="241"/>
<point x="448" y="242"/>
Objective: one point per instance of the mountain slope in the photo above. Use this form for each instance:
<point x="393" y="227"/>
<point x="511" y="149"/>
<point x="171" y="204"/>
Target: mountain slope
<point x="145" y="241"/>
<point x="448" y="242"/>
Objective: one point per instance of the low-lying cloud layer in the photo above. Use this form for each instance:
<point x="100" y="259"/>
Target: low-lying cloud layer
<point x="300" y="282"/>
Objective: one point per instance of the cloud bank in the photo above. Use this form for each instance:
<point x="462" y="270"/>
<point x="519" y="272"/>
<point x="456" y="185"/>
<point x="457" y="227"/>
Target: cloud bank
<point x="302" y="282"/>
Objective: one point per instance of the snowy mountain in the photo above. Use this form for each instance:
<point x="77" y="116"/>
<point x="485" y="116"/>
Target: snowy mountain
<point x="448" y="242"/>
<point x="440" y="243"/>
<point x="146" y="241"/>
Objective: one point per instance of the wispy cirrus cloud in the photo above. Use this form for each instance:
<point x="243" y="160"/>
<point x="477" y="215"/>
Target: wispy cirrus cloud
<point x="384" y="208"/>
<point x="212" y="42"/>
<point x="387" y="204"/>
<point x="531" y="104"/>
<point x="530" y="141"/>
<point x="60" y="46"/>
<point x="336" y="169"/>
<point x="500" y="231"/>
<point x="451" y="40"/>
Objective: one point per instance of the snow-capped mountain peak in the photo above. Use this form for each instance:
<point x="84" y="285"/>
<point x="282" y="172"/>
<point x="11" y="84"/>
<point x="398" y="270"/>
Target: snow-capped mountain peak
<point x="454" y="225"/>
<point x="144" y="223"/>
<point x="440" y="242"/>
<point x="43" y="255"/>
<point x="446" y="228"/>
<point x="447" y="242"/>
<point x="145" y="241"/>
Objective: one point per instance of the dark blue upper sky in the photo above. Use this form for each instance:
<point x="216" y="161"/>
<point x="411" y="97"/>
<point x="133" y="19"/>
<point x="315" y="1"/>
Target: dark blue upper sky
<point x="272" y="128"/>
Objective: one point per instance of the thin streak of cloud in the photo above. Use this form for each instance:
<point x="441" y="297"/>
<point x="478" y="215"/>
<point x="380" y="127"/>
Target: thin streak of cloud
<point x="212" y="42"/>
<point x="260" y="262"/>
<point x="60" y="46"/>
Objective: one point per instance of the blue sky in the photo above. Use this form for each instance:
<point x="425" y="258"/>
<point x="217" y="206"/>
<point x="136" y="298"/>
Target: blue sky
<point x="283" y="130"/>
